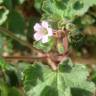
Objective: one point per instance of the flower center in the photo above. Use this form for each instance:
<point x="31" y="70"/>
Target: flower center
<point x="44" y="31"/>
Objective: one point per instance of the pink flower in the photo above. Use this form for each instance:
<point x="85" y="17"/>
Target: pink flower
<point x="43" y="31"/>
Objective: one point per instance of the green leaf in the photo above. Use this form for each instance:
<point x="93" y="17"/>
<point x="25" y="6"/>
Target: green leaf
<point x="40" y="80"/>
<point x="51" y="10"/>
<point x="46" y="47"/>
<point x="16" y="22"/>
<point x="86" y="4"/>
<point x="3" y="14"/>
<point x="76" y="76"/>
<point x="43" y="78"/>
<point x="63" y="8"/>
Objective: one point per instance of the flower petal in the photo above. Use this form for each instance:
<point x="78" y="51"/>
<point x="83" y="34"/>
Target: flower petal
<point x="44" y="24"/>
<point x="37" y="27"/>
<point x="45" y="39"/>
<point x="38" y="36"/>
<point x="50" y="32"/>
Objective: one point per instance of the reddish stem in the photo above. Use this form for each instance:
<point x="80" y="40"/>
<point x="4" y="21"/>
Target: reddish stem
<point x="23" y="57"/>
